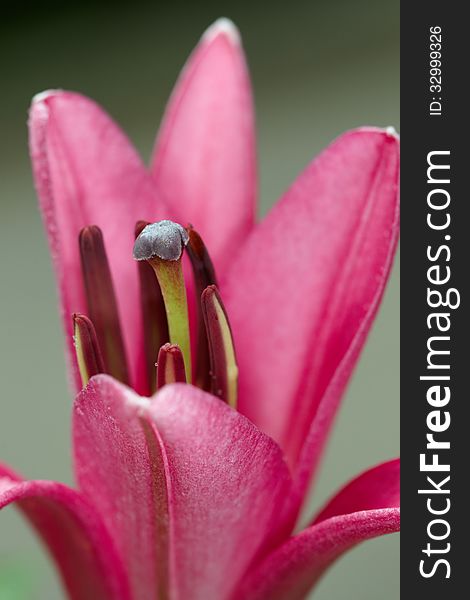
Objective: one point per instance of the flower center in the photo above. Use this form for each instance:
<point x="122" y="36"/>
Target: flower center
<point x="158" y="250"/>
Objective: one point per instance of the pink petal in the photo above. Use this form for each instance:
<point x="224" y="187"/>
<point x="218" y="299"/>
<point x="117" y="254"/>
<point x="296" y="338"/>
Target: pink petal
<point x="74" y="534"/>
<point x="366" y="508"/>
<point x="374" y="489"/>
<point x="119" y="464"/>
<point x="204" y="161"/>
<point x="228" y="484"/>
<point x="87" y="173"/>
<point x="303" y="292"/>
<point x="191" y="487"/>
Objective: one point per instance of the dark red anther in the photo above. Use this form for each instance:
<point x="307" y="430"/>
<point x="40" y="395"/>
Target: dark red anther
<point x="224" y="370"/>
<point x="153" y="313"/>
<point x="204" y="275"/>
<point x="101" y="300"/>
<point x="89" y="357"/>
<point x="170" y="366"/>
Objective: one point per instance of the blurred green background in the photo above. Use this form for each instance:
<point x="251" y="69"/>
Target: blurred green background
<point x="318" y="67"/>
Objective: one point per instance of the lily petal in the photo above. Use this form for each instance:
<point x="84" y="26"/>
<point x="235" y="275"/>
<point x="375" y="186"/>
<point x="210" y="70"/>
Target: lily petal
<point x="87" y="173"/>
<point x="204" y="161"/>
<point x="366" y="508"/>
<point x="74" y="534"/>
<point x="118" y="462"/>
<point x="229" y="483"/>
<point x="303" y="292"/>
<point x="376" y="488"/>
<point x="190" y="487"/>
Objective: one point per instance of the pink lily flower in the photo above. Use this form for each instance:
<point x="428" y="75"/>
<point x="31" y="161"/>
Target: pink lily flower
<point x="179" y="495"/>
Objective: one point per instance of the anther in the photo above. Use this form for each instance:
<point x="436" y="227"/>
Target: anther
<point x="89" y="358"/>
<point x="161" y="245"/>
<point x="170" y="366"/>
<point x="101" y="300"/>
<point x="204" y="275"/>
<point x="224" y="370"/>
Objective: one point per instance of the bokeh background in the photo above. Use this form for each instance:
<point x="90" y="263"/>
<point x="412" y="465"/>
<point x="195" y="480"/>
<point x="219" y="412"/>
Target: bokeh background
<point x="318" y="67"/>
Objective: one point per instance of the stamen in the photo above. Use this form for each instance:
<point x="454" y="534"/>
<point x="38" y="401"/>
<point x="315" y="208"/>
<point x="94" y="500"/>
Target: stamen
<point x="204" y="275"/>
<point x="161" y="245"/>
<point x="102" y="304"/>
<point x="89" y="358"/>
<point x="170" y="366"/>
<point x="154" y="315"/>
<point x="224" y="370"/>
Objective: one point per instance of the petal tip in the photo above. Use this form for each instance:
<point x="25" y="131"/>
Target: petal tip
<point x="225" y="27"/>
<point x="41" y="97"/>
<point x="390" y="131"/>
<point x="47" y="99"/>
<point x="39" y="109"/>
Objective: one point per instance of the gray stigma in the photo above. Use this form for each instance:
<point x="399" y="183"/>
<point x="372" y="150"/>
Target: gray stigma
<point x="164" y="239"/>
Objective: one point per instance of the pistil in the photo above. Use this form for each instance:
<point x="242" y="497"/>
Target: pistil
<point x="161" y="245"/>
<point x="154" y="316"/>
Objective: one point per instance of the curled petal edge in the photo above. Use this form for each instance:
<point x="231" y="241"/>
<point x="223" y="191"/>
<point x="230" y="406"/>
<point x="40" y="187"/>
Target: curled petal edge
<point x="366" y="507"/>
<point x="294" y="568"/>
<point x="75" y="536"/>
